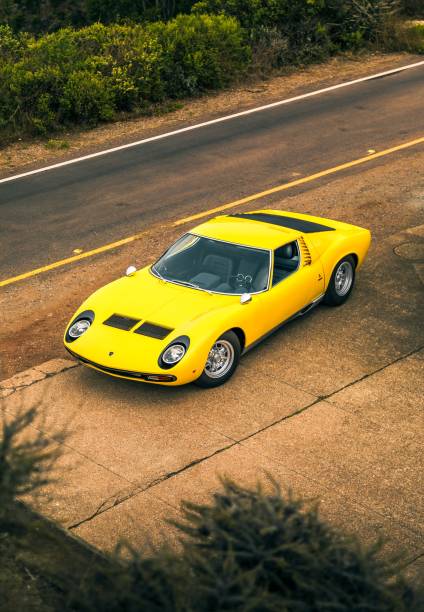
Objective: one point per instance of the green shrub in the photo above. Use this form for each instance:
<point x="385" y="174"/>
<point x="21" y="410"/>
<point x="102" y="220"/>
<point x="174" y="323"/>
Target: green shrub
<point x="86" y="98"/>
<point x="413" y="8"/>
<point x="276" y="553"/>
<point x="86" y="76"/>
<point x="296" y="22"/>
<point x="415" y="38"/>
<point x="356" y="22"/>
<point x="200" y="52"/>
<point x="134" y="583"/>
<point x="305" y="31"/>
<point x="51" y="15"/>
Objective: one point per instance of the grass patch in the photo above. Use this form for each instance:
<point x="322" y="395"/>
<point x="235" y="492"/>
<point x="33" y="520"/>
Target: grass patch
<point x="56" y="145"/>
<point x="167" y="107"/>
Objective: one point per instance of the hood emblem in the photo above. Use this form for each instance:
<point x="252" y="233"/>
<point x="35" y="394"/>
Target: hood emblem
<point x="111" y="353"/>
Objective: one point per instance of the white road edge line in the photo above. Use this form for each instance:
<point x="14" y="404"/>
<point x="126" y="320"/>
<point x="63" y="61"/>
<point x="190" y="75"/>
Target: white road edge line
<point x="212" y="122"/>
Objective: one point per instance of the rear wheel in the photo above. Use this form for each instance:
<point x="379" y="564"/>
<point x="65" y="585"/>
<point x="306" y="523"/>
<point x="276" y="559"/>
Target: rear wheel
<point x="341" y="282"/>
<point x="222" y="361"/>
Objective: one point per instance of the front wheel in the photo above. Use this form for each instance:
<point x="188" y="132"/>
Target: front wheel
<point x="222" y="361"/>
<point x="341" y="282"/>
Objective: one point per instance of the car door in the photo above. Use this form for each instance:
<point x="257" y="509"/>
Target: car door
<point x="294" y="284"/>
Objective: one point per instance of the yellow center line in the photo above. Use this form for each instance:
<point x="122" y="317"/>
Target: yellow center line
<point x="301" y="181"/>
<point x="211" y="211"/>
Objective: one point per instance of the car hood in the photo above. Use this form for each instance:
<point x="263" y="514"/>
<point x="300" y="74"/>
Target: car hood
<point x="147" y="298"/>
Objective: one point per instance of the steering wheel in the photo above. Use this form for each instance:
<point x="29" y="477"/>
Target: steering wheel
<point x="241" y="281"/>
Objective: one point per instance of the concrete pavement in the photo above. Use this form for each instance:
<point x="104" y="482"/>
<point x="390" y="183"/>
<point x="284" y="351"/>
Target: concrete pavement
<point x="129" y="460"/>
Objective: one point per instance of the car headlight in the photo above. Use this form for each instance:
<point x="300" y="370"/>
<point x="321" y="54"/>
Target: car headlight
<point x="173" y="354"/>
<point x="78" y="328"/>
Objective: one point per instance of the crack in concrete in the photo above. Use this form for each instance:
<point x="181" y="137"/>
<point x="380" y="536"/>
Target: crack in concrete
<point x="115" y="499"/>
<point x="24" y="385"/>
<point x="416" y="558"/>
<point x="104" y="508"/>
<point x="353" y="382"/>
<point x="365" y="376"/>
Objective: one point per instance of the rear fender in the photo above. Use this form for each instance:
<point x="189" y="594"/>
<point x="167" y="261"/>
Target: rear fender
<point x="333" y="246"/>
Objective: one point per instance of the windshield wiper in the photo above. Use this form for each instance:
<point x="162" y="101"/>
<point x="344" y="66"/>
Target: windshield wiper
<point x="188" y="284"/>
<point x="180" y="282"/>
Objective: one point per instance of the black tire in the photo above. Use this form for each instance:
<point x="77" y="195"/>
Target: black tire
<point x="207" y="379"/>
<point x="336" y="295"/>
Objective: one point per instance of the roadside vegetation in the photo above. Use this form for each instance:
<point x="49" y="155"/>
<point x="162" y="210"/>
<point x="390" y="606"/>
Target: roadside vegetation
<point x="247" y="549"/>
<point x="140" y="57"/>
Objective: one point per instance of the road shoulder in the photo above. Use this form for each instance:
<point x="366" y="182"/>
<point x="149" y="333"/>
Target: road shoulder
<point x="28" y="155"/>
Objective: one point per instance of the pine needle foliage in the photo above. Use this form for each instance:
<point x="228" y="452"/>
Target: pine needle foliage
<point x="132" y="582"/>
<point x="249" y="550"/>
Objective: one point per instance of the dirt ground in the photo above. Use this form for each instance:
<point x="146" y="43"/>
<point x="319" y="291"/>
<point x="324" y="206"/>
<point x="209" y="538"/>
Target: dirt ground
<point x="25" y="154"/>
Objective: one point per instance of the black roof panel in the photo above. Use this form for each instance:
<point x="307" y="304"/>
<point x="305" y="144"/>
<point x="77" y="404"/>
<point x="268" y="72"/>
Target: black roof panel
<point x="301" y="225"/>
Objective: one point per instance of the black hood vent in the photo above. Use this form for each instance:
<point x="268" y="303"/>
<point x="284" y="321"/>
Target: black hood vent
<point x="120" y="322"/>
<point x="153" y="331"/>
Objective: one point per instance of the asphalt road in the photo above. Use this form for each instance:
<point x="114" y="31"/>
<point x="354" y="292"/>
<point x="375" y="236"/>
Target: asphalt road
<point x="45" y="216"/>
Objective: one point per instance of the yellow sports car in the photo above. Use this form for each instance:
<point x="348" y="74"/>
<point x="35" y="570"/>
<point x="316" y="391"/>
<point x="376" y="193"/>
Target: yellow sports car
<point x="214" y="294"/>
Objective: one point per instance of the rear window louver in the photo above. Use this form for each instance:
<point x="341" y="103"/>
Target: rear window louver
<point x="306" y="254"/>
<point x="153" y="331"/>
<point x="301" y="225"/>
<point x="121" y="322"/>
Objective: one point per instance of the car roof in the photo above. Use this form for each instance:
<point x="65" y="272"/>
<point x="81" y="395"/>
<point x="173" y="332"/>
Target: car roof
<point x="247" y="231"/>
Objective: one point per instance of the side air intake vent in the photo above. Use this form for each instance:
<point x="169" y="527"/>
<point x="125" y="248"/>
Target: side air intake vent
<point x="306" y="254"/>
<point x="153" y="331"/>
<point x="120" y="322"/>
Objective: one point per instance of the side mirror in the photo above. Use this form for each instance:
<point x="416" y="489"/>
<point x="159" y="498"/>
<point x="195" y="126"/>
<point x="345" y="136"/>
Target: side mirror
<point x="245" y="298"/>
<point x="131" y="270"/>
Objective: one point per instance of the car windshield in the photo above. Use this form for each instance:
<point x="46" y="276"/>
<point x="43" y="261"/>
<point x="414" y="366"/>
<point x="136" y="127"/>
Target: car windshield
<point x="214" y="265"/>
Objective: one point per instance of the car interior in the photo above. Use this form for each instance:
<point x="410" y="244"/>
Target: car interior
<point x="286" y="261"/>
<point x="218" y="266"/>
<point x="225" y="267"/>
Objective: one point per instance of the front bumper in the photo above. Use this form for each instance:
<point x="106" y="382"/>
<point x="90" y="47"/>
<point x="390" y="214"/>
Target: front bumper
<point x="127" y="374"/>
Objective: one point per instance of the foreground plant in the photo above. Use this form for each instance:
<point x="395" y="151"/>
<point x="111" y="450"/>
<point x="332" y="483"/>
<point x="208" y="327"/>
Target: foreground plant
<point x="250" y="550"/>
